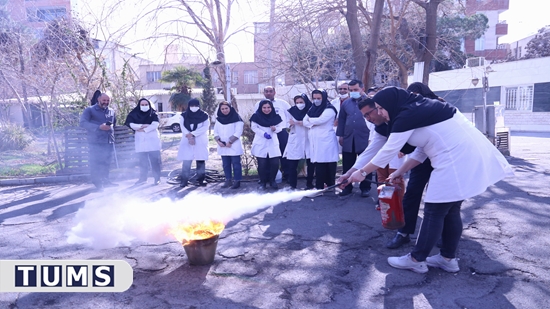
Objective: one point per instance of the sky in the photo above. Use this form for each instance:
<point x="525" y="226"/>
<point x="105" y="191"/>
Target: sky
<point x="524" y="18"/>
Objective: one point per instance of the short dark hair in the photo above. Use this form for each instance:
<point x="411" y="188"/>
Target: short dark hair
<point x="355" y="82"/>
<point x="366" y="102"/>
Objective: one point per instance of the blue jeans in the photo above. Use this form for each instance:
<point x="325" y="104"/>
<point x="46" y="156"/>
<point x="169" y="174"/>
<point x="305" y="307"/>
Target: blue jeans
<point x="440" y="219"/>
<point x="186" y="171"/>
<point x="151" y="158"/>
<point x="235" y="162"/>
<point x="413" y="195"/>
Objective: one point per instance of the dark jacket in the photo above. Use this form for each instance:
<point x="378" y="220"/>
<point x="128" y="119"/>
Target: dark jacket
<point x="91" y="118"/>
<point x="352" y="126"/>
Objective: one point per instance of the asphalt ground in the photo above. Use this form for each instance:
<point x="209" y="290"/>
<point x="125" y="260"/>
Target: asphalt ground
<point x="323" y="252"/>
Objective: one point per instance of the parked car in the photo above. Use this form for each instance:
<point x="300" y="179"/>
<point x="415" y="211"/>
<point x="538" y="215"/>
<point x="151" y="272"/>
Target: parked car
<point x="170" y="120"/>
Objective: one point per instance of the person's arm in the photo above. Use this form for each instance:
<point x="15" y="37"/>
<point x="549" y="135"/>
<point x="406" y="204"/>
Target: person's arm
<point x="327" y="116"/>
<point x="342" y="116"/>
<point x="279" y="127"/>
<point x="237" y="134"/>
<point x="366" y="156"/>
<point x="85" y="121"/>
<point x="202" y="128"/>
<point x="151" y="127"/>
<point x="256" y="128"/>
<point x="135" y="126"/>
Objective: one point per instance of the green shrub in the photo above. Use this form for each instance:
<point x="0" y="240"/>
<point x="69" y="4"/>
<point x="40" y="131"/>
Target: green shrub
<point x="13" y="137"/>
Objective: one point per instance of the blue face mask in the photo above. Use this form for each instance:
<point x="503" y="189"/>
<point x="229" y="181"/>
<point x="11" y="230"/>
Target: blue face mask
<point x="355" y="95"/>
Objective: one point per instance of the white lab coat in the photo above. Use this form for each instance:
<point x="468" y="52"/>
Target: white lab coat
<point x="199" y="151"/>
<point x="323" y="145"/>
<point x="148" y="140"/>
<point x="465" y="163"/>
<point x="261" y="146"/>
<point x="224" y="132"/>
<point x="297" y="147"/>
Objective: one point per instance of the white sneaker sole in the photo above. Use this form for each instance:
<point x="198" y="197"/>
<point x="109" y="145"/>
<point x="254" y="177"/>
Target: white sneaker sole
<point x="416" y="270"/>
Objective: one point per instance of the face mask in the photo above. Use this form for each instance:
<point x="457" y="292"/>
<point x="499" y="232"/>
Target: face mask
<point x="144" y="108"/>
<point x="194" y="109"/>
<point x="317" y="102"/>
<point x="343" y="96"/>
<point x="301" y="106"/>
<point x="355" y="95"/>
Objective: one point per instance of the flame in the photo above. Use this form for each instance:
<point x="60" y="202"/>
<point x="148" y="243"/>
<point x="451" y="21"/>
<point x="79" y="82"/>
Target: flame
<point x="186" y="232"/>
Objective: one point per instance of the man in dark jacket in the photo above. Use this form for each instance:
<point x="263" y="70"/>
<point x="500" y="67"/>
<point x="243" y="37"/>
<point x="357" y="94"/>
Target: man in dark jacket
<point x="353" y="134"/>
<point x="99" y="121"/>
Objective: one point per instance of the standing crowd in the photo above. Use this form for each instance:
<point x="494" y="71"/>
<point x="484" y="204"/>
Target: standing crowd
<point x="390" y="132"/>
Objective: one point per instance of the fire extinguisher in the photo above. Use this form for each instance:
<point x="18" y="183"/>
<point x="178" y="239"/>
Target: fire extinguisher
<point x="391" y="207"/>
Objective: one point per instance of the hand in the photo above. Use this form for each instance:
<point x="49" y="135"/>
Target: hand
<point x="140" y="130"/>
<point x="228" y="145"/>
<point x="189" y="135"/>
<point x="273" y="128"/>
<point x="143" y="126"/>
<point x="267" y="135"/>
<point x="400" y="155"/>
<point x="395" y="178"/>
<point x="356" y="177"/>
<point x="336" y="122"/>
<point x="191" y="140"/>
<point x="292" y="122"/>
<point x="341" y="140"/>
<point x="220" y="143"/>
<point x="343" y="180"/>
<point x="104" y="127"/>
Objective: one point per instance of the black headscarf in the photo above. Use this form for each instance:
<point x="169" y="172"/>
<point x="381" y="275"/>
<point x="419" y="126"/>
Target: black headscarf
<point x="190" y="119"/>
<point x="271" y="119"/>
<point x="297" y="113"/>
<point x="139" y="117"/>
<point x="423" y="90"/>
<point x="95" y="97"/>
<point x="232" y="117"/>
<point x="316" y="111"/>
<point x="409" y="111"/>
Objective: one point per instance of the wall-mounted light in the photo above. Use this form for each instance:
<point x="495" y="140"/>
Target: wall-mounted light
<point x="475" y="81"/>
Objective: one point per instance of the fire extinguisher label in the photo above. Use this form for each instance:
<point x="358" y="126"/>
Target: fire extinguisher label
<point x="384" y="207"/>
<point x="386" y="192"/>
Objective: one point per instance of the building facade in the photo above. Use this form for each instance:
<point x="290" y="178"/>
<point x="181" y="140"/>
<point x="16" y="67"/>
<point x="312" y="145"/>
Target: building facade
<point x="488" y="45"/>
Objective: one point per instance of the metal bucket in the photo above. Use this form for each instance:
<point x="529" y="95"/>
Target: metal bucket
<point x="202" y="251"/>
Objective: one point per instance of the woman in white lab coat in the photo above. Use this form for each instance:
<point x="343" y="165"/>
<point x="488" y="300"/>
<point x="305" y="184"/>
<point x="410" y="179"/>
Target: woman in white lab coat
<point x="465" y="163"/>
<point x="265" y="147"/>
<point x="143" y="119"/>
<point x="194" y="142"/>
<point x="227" y="134"/>
<point x="323" y="144"/>
<point x="297" y="147"/>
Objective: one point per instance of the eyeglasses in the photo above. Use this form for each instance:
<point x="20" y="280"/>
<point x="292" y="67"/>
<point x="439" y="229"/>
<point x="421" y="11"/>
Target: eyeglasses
<point x="367" y="114"/>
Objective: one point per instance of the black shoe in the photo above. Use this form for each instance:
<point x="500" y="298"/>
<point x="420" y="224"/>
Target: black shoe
<point x="398" y="241"/>
<point x="140" y="181"/>
<point x="263" y="186"/>
<point x="236" y="184"/>
<point x="344" y="193"/>
<point x="274" y="185"/>
<point x="365" y="193"/>
<point x="227" y="184"/>
<point x="183" y="184"/>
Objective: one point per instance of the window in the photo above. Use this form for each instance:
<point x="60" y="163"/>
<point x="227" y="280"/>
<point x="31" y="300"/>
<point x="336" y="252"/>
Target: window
<point x="153" y="76"/>
<point x="480" y="43"/>
<point x="45" y="14"/>
<point x="250" y="77"/>
<point x="159" y="107"/>
<point x="519" y="98"/>
<point x="235" y="77"/>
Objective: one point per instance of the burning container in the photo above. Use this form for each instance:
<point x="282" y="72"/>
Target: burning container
<point x="199" y="240"/>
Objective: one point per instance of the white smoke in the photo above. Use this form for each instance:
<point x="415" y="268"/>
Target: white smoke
<point x="119" y="220"/>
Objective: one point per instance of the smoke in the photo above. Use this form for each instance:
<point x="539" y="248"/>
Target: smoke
<point x="120" y="220"/>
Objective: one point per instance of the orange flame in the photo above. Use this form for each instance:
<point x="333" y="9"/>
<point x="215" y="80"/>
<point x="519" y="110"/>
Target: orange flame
<point x="186" y="232"/>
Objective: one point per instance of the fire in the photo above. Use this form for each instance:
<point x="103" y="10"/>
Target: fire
<point x="187" y="232"/>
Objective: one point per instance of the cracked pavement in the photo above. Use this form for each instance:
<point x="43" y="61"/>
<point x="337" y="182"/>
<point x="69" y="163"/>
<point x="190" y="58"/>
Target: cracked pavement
<point x="326" y="252"/>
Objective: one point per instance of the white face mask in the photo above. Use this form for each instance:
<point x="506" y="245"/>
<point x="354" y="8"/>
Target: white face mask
<point x="301" y="106"/>
<point x="355" y="95"/>
<point x="343" y="96"/>
<point x="194" y="109"/>
<point x="144" y="108"/>
<point x="317" y="102"/>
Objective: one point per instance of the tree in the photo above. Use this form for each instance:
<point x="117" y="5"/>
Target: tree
<point x="208" y="96"/>
<point x="184" y="79"/>
<point x="539" y="46"/>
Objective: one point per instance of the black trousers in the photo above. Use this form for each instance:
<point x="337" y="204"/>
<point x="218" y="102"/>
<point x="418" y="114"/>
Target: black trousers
<point x="283" y="140"/>
<point x="267" y="169"/>
<point x="100" y="157"/>
<point x="418" y="179"/>
<point x="325" y="174"/>
<point x="348" y="160"/>
<point x="146" y="159"/>
<point x="293" y="173"/>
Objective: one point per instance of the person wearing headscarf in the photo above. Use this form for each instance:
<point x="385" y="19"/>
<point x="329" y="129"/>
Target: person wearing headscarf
<point x="418" y="178"/>
<point x="297" y="147"/>
<point x="265" y="124"/>
<point x="143" y="119"/>
<point x="227" y="134"/>
<point x="323" y="145"/>
<point x="194" y="142"/>
<point x="465" y="163"/>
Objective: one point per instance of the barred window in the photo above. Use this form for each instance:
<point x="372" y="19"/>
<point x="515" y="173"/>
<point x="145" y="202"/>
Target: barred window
<point x="153" y="76"/>
<point x="519" y="98"/>
<point x="250" y="77"/>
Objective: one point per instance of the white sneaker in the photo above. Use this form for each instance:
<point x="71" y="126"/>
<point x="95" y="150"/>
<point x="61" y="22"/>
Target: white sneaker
<point x="439" y="261"/>
<point x="406" y="262"/>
